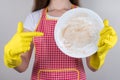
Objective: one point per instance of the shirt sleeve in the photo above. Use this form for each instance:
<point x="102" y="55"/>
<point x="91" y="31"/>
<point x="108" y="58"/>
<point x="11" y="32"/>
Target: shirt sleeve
<point x="32" y="20"/>
<point x="29" y="24"/>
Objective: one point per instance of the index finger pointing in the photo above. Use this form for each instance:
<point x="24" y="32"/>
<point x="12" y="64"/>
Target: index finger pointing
<point x="31" y="34"/>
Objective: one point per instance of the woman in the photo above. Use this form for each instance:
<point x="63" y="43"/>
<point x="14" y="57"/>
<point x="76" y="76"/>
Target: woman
<point x="50" y="63"/>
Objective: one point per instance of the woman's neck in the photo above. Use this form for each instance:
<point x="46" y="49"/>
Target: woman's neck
<point x="59" y="5"/>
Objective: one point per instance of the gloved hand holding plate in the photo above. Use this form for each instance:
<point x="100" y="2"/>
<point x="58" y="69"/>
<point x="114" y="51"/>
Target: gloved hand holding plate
<point x="77" y="32"/>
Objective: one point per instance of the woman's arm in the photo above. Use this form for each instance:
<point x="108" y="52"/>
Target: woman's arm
<point x="88" y="64"/>
<point x="18" y="50"/>
<point x="25" y="58"/>
<point x="108" y="39"/>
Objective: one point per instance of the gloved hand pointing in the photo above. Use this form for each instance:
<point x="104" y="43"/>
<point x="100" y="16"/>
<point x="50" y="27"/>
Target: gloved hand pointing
<point x="20" y="43"/>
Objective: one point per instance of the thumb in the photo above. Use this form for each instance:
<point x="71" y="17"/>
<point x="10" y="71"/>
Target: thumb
<point x="20" y="27"/>
<point x="106" y="23"/>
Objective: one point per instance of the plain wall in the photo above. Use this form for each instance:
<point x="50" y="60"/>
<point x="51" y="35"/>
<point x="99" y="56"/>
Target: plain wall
<point x="13" y="11"/>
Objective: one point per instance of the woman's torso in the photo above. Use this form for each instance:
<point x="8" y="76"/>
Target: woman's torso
<point x="50" y="63"/>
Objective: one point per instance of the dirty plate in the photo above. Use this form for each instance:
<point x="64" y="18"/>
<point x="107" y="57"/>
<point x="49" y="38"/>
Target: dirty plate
<point x="77" y="32"/>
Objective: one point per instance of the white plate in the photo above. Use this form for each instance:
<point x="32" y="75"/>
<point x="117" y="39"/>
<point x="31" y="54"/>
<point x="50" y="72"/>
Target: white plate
<point x="61" y="24"/>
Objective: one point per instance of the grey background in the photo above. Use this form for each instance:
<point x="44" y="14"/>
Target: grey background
<point x="12" y="11"/>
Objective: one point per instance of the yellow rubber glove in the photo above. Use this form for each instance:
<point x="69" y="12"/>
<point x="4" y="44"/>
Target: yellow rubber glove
<point x="108" y="39"/>
<point x="20" y="43"/>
